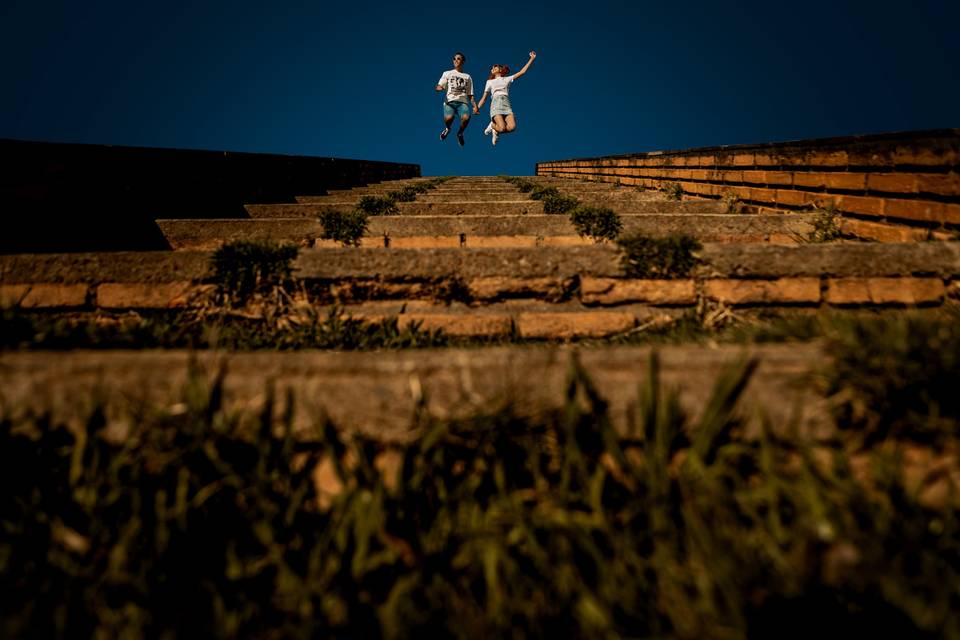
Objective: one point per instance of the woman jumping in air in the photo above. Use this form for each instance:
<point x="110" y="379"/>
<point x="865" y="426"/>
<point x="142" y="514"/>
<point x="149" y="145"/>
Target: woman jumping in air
<point x="502" y="119"/>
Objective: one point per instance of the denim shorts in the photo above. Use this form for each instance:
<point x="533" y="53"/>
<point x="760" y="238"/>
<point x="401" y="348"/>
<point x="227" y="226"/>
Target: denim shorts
<point x="500" y="106"/>
<point x="462" y="109"/>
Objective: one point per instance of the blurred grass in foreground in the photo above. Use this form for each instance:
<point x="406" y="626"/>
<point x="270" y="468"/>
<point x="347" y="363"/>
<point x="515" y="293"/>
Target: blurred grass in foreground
<point x="499" y="525"/>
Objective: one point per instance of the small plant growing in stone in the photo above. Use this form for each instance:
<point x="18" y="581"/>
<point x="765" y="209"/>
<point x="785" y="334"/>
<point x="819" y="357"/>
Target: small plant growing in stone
<point x="539" y="193"/>
<point x="345" y="227"/>
<point x="826" y="225"/>
<point x="672" y="190"/>
<point x="669" y="257"/>
<point x="732" y="203"/>
<point x="599" y="223"/>
<point x="244" y="269"/>
<point x="378" y="206"/>
<point x="559" y="203"/>
<point x="407" y="194"/>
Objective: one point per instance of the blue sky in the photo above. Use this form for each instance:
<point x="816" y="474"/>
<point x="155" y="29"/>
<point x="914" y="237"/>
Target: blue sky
<point x="356" y="79"/>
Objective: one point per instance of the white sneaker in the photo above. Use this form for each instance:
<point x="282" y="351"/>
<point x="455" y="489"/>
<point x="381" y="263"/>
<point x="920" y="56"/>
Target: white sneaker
<point x="495" y="136"/>
<point x="489" y="128"/>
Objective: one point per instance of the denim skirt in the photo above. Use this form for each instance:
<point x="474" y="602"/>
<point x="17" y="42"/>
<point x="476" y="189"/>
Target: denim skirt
<point x="500" y="106"/>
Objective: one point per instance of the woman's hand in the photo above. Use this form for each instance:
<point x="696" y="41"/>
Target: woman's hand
<point x="476" y="110"/>
<point x="533" y="54"/>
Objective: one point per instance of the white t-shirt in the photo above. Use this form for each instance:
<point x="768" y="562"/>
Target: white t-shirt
<point x="459" y="85"/>
<point x="499" y="86"/>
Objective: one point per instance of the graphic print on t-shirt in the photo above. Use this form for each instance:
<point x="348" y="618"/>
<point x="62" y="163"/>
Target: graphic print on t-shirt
<point x="458" y="85"/>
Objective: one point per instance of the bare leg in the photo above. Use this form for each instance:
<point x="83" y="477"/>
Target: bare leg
<point x="499" y="124"/>
<point x="464" y="121"/>
<point x="447" y="123"/>
<point x="511" y="124"/>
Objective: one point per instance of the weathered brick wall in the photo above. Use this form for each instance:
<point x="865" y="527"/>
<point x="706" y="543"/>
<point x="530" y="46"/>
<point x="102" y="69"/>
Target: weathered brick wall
<point x="563" y="284"/>
<point x="889" y="187"/>
<point x="78" y="197"/>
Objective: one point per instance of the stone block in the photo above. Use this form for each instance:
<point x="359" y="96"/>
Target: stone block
<point x="617" y="291"/>
<point x="922" y="210"/>
<point x="780" y="291"/>
<point x="881" y="232"/>
<point x="844" y="291"/>
<point x="892" y="182"/>
<point x="460" y="325"/>
<point x="43" y="295"/>
<point x="794" y="198"/>
<point x="165" y="295"/>
<point x="489" y="288"/>
<point x="860" y="204"/>
<point x="562" y="326"/>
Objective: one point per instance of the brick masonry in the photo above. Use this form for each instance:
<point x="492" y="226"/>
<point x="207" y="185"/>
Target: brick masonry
<point x="910" y="180"/>
<point x="486" y="292"/>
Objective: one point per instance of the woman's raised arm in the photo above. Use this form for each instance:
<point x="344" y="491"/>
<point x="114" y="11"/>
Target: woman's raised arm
<point x="533" y="54"/>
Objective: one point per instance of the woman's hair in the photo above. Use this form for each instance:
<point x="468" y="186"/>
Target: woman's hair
<point x="504" y="71"/>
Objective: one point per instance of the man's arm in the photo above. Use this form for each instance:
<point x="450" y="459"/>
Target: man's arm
<point x="533" y="54"/>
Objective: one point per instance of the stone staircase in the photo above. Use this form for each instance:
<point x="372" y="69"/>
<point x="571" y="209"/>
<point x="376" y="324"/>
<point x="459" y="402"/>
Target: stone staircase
<point x="476" y="258"/>
<point x="486" y="212"/>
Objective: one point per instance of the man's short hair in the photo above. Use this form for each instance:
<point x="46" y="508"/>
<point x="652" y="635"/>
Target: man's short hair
<point x="460" y="53"/>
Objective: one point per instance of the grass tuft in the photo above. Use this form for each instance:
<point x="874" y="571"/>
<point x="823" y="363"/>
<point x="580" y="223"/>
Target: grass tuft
<point x="244" y="269"/>
<point x="344" y="227"/>
<point x="647" y="257"/>
<point x="826" y="226"/>
<point x="672" y="190"/>
<point x="378" y="205"/>
<point x="599" y="223"/>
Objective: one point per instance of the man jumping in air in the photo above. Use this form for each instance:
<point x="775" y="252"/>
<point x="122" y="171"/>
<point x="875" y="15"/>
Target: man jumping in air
<point x="459" y="88"/>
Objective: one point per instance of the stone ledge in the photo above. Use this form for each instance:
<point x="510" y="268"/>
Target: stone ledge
<point x="719" y="261"/>
<point x="376" y="393"/>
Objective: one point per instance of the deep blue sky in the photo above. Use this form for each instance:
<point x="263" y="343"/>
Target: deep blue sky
<point x="356" y="79"/>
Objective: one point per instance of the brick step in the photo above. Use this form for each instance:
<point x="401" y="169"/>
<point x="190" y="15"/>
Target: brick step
<point x="529" y="230"/>
<point x="430" y="196"/>
<point x="479" y="191"/>
<point x="515" y="207"/>
<point x="460" y="196"/>
<point x="474" y="179"/>
<point x="746" y="261"/>
<point x="869" y="275"/>
<point x="386" y="185"/>
<point x="377" y="393"/>
<point x="474" y="208"/>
